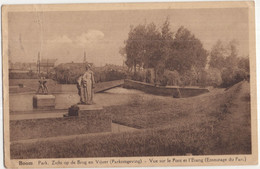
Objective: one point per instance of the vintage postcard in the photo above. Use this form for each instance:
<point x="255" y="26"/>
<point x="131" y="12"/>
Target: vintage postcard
<point x="129" y="85"/>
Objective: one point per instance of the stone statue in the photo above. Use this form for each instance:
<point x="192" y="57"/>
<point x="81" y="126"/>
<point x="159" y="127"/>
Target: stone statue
<point x="80" y="89"/>
<point x="88" y="85"/>
<point x="42" y="86"/>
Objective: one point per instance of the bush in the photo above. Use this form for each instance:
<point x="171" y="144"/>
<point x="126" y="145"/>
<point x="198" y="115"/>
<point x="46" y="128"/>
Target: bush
<point x="189" y="78"/>
<point x="233" y="76"/>
<point x="211" y="77"/>
<point x="139" y="76"/>
<point x="173" y="77"/>
<point x="68" y="73"/>
<point x="204" y="77"/>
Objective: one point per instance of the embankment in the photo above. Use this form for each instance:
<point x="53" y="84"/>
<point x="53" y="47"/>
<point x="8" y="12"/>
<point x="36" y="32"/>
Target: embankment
<point x="177" y="92"/>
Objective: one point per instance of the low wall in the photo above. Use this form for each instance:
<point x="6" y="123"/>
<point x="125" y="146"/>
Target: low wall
<point x="165" y="91"/>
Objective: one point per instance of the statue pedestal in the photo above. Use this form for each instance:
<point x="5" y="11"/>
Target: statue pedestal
<point x="95" y="120"/>
<point x="84" y="107"/>
<point x="44" y="101"/>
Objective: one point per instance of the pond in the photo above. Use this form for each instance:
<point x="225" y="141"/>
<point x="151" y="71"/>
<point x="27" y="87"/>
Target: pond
<point x="115" y="96"/>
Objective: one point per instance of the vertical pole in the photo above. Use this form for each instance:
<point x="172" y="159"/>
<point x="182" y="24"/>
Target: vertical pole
<point x="47" y="66"/>
<point x="39" y="62"/>
<point x="85" y="57"/>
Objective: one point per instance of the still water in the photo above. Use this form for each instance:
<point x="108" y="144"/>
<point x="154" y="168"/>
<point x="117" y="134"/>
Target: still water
<point x="116" y="96"/>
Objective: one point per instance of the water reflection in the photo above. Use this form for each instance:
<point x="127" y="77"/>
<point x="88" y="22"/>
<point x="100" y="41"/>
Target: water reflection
<point x="116" y="96"/>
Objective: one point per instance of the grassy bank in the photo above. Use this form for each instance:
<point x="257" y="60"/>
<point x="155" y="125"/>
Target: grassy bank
<point x="92" y="122"/>
<point x="214" y="123"/>
<point x="140" y="143"/>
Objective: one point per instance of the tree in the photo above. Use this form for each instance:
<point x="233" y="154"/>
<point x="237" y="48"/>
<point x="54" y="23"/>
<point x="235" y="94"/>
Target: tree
<point x="166" y="42"/>
<point x="135" y="46"/>
<point x="143" y="47"/>
<point x="187" y="52"/>
<point x="153" y="55"/>
<point x="122" y="51"/>
<point x="148" y="47"/>
<point x="213" y="77"/>
<point x="232" y="59"/>
<point x="217" y="56"/>
<point x="224" y="56"/>
<point x="243" y="63"/>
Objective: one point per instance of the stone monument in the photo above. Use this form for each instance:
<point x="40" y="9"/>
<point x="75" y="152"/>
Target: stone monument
<point x="85" y="86"/>
<point x="42" y="99"/>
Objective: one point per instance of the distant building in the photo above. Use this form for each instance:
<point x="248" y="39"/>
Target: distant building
<point x="72" y="65"/>
<point x="23" y="66"/>
<point x="46" y="65"/>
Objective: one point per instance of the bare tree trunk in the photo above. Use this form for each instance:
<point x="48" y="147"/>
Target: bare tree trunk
<point x="155" y="76"/>
<point x="134" y="67"/>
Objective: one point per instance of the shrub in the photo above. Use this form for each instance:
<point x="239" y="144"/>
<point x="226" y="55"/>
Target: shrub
<point x="173" y="77"/>
<point x="139" y="76"/>
<point x="232" y="76"/>
<point x="212" y="77"/>
<point x="68" y="73"/>
<point x="188" y="78"/>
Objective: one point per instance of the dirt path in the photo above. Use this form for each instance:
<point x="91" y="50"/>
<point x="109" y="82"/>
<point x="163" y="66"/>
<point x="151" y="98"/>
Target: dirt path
<point x="235" y="129"/>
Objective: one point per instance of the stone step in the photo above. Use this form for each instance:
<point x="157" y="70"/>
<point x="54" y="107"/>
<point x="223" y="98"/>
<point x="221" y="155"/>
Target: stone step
<point x="83" y="107"/>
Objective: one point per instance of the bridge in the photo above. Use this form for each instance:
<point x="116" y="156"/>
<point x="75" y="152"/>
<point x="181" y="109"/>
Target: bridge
<point x="103" y="86"/>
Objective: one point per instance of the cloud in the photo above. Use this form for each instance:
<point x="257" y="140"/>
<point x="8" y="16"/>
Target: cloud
<point x="89" y="38"/>
<point x="68" y="48"/>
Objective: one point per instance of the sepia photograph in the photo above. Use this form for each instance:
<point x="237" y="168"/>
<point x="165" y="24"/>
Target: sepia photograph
<point x="129" y="85"/>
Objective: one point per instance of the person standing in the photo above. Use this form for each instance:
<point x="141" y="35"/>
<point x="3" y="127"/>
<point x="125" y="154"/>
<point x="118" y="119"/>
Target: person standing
<point x="88" y="85"/>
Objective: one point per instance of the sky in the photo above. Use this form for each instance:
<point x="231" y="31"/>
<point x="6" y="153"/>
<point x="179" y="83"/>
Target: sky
<point x="65" y="35"/>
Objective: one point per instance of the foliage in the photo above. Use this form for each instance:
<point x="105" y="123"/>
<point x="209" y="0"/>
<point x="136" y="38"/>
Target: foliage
<point x="213" y="77"/>
<point x="173" y="77"/>
<point x="187" y="53"/>
<point x="139" y="76"/>
<point x="224" y="58"/>
<point x="182" y="53"/>
<point x="217" y="56"/>
<point x="69" y="72"/>
<point x="232" y="76"/>
<point x="243" y="63"/>
<point x="149" y="47"/>
<point x="135" y="46"/>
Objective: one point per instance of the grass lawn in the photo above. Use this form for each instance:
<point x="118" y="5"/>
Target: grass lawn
<point x="93" y="122"/>
<point x="213" y="123"/>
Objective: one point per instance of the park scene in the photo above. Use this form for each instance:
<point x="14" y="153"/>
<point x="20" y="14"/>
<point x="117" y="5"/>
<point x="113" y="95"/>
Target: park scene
<point x="130" y="83"/>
